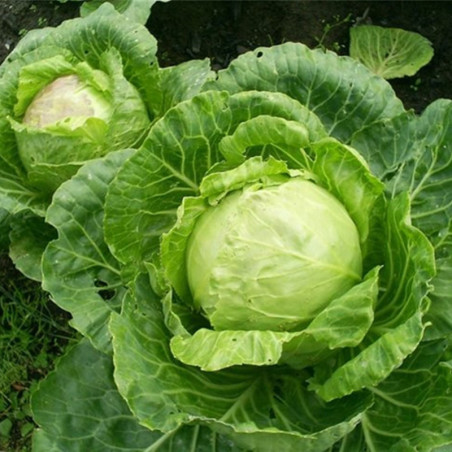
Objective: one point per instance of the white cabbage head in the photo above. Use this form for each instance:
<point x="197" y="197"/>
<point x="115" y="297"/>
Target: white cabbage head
<point x="66" y="97"/>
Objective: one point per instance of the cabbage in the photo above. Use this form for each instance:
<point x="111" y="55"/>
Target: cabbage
<point x="270" y="270"/>
<point x="69" y="95"/>
<point x="67" y="113"/>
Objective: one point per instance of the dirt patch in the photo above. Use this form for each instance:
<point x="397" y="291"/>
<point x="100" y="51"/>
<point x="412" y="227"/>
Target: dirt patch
<point x="19" y="16"/>
<point x="222" y="30"/>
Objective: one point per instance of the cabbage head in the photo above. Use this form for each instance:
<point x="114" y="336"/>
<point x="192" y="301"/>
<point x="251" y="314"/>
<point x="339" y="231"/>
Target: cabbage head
<point x="272" y="257"/>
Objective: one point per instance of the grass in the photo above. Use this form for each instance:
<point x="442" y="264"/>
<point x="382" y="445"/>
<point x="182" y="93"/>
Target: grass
<point x="33" y="333"/>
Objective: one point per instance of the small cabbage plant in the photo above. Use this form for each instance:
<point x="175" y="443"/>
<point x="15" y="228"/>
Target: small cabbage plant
<point x="270" y="270"/>
<point x="71" y="94"/>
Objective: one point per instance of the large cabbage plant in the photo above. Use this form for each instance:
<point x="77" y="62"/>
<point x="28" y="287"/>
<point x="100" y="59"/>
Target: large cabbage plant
<point x="71" y="94"/>
<point x="270" y="270"/>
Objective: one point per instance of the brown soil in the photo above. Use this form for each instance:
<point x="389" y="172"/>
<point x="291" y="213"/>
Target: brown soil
<point x="221" y="30"/>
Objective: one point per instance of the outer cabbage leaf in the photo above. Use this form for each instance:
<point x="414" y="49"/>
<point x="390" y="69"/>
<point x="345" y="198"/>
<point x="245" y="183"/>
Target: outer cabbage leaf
<point x="133" y="229"/>
<point x="245" y="107"/>
<point x="78" y="269"/>
<point x="413" y="407"/>
<point x="374" y="363"/>
<point x="414" y="154"/>
<point x="16" y="196"/>
<point x="439" y="313"/>
<point x="344" y="95"/>
<point x="182" y="82"/>
<point x="79" y="408"/>
<point x="389" y="52"/>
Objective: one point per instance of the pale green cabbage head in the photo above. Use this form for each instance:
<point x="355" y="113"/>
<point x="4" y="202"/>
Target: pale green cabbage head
<point x="272" y="257"/>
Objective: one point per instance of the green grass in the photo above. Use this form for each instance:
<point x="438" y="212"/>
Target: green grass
<point x="33" y="333"/>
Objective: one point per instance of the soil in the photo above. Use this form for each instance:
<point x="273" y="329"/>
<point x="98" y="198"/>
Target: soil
<point x="221" y="30"/>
